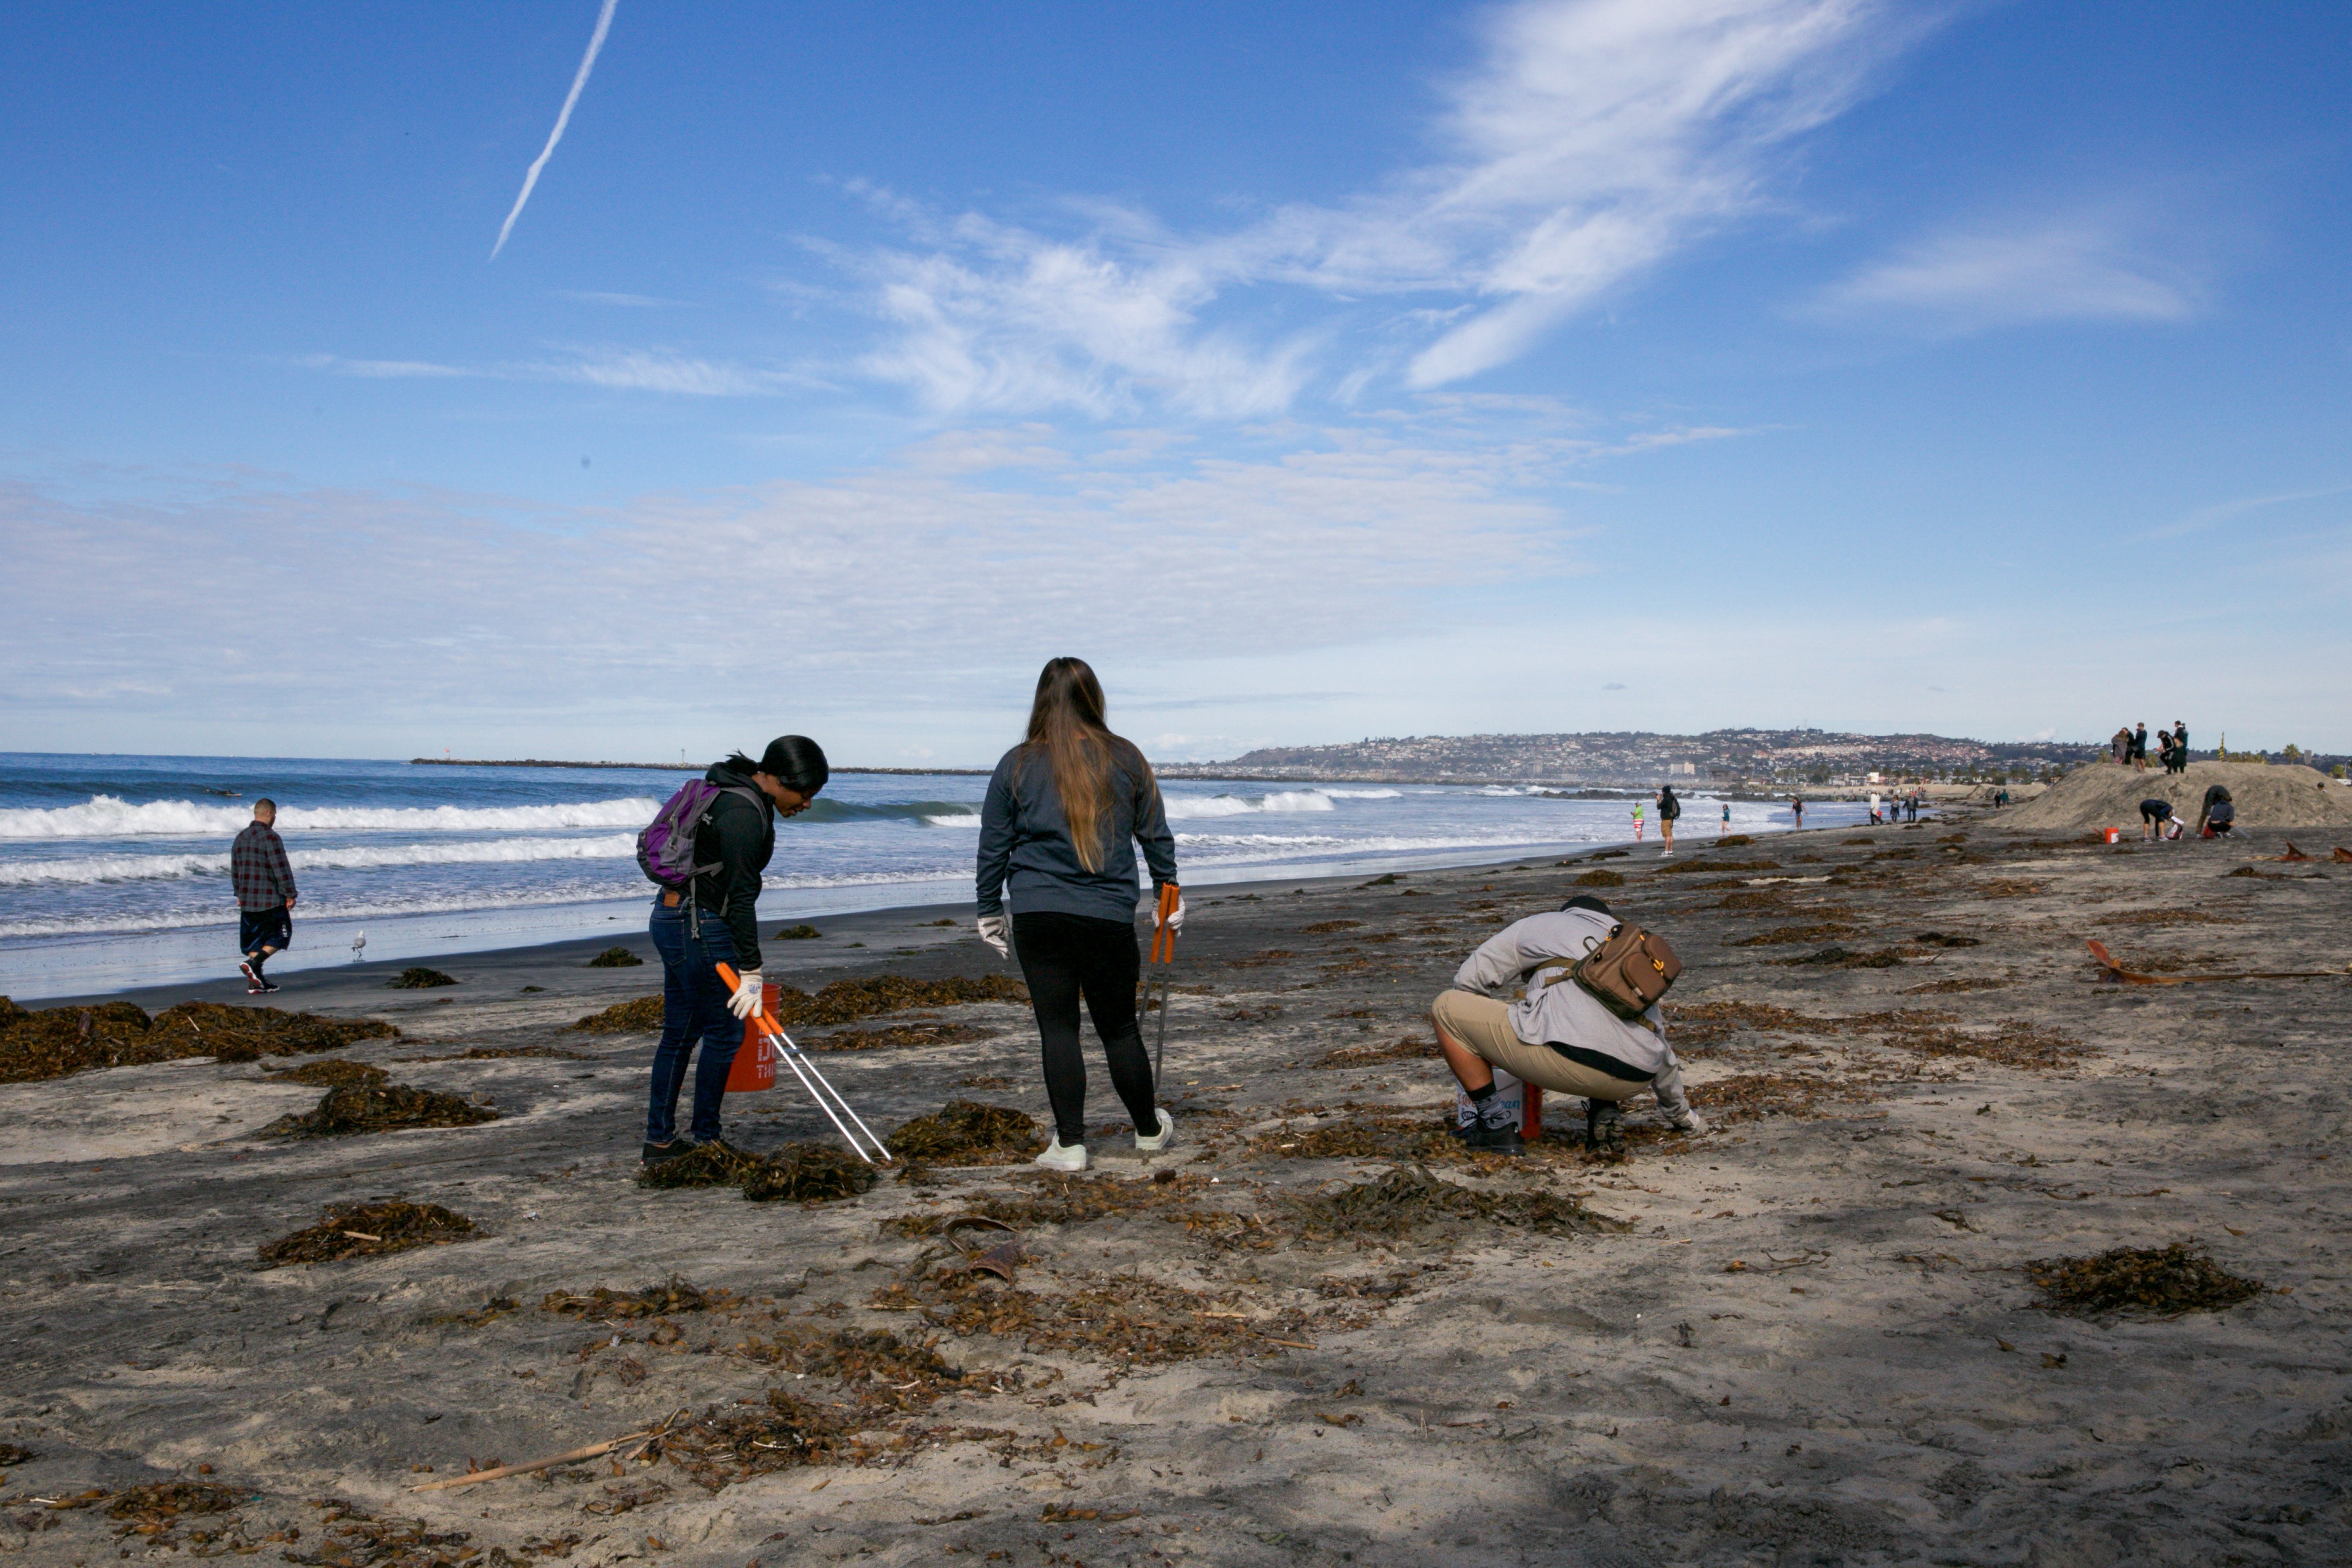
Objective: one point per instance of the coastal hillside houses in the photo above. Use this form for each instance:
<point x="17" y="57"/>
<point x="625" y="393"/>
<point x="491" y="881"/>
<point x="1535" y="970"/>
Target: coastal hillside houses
<point x="1627" y="758"/>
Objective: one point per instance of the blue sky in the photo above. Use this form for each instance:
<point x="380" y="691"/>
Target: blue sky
<point x="1316" y="370"/>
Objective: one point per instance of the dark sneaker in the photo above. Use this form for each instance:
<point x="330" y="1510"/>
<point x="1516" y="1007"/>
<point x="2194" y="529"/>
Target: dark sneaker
<point x="252" y="978"/>
<point x="1487" y="1140"/>
<point x="1604" y="1130"/>
<point x="654" y="1153"/>
<point x="268" y="986"/>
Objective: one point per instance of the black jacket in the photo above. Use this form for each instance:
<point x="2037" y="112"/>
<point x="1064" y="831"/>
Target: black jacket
<point x="1024" y="841"/>
<point x="739" y="838"/>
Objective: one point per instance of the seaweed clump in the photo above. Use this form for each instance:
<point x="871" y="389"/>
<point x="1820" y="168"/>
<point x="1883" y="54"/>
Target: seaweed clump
<point x="369" y="1230"/>
<point x="881" y="1367"/>
<point x="616" y="958"/>
<point x="1403" y="1201"/>
<point x="333" y="1073"/>
<point x="712" y="1164"/>
<point x="676" y="1294"/>
<point x="1602" y="878"/>
<point x="807" y="1173"/>
<point x="899" y="1036"/>
<point x="730" y="1443"/>
<point x="638" y="1013"/>
<point x="797" y="933"/>
<point x="54" y="1042"/>
<point x="418" y="977"/>
<point x="847" y="1001"/>
<point x="379" y="1108"/>
<point x="966" y="1132"/>
<point x="2164" y="1280"/>
<point x="1840" y="958"/>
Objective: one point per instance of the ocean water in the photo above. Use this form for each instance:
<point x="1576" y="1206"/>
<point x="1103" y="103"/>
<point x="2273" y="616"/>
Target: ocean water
<point x="114" y="871"/>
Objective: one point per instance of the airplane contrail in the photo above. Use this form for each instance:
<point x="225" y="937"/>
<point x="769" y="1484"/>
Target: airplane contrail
<point x="587" y="64"/>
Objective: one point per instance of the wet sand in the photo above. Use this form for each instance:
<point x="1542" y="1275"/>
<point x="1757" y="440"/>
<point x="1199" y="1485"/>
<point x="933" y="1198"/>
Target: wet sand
<point x="1804" y="1338"/>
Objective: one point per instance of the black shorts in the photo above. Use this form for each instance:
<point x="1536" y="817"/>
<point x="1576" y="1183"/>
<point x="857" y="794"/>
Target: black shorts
<point x="257" y="928"/>
<point x="2154" y="810"/>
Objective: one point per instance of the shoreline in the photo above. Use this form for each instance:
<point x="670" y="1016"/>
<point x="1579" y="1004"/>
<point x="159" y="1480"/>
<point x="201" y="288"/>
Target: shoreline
<point x="344" y="979"/>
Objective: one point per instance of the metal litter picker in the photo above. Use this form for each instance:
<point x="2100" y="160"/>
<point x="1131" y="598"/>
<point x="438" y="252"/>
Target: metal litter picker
<point x="828" y="1099"/>
<point x="1163" y="953"/>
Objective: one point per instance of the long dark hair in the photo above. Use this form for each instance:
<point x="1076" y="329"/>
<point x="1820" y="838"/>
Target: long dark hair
<point x="794" y="761"/>
<point x="1066" y="726"/>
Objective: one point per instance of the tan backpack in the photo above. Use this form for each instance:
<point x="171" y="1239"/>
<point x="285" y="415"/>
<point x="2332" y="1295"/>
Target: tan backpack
<point x="1629" y="972"/>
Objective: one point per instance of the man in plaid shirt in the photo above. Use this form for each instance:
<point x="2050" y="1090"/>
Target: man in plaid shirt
<point x="265" y="895"/>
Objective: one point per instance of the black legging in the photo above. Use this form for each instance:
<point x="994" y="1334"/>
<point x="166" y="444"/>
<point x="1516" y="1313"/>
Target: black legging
<point x="1061" y="957"/>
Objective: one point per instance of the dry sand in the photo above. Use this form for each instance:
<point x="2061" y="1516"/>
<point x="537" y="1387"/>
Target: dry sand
<point x="1809" y="1342"/>
<point x="2104" y="796"/>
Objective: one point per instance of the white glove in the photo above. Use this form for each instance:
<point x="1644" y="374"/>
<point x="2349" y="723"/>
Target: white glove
<point x="1175" y="916"/>
<point x="992" y="931"/>
<point x="746" y="1000"/>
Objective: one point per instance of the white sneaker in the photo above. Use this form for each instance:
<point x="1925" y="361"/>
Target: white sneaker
<point x="1167" y="1135"/>
<point x="1687" y="1122"/>
<point x="1057" y="1158"/>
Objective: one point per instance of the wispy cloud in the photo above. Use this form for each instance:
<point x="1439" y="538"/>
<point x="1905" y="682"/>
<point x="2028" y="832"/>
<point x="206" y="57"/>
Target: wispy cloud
<point x="2082" y="267"/>
<point x="562" y="119"/>
<point x="2208" y="517"/>
<point x="623" y="302"/>
<point x="632" y="370"/>
<point x="1595" y="139"/>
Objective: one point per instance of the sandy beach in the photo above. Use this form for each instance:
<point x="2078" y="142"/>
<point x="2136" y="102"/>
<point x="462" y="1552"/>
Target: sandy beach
<point x="1807" y="1337"/>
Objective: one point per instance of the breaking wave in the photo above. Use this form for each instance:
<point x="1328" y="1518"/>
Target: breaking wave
<point x="108" y="816"/>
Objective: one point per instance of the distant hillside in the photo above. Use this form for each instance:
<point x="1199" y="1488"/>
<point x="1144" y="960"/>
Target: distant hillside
<point x="1638" y="757"/>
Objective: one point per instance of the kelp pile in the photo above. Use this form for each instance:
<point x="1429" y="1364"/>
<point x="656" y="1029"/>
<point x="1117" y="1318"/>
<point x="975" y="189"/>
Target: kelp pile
<point x="418" y="977"/>
<point x="1603" y="878"/>
<point x="728" y="1443"/>
<point x="1405" y="1048"/>
<point x="641" y="1013"/>
<point x="966" y="1132"/>
<point x="335" y="1073"/>
<point x="808" y="1173"/>
<point x="379" y="1108"/>
<point x="677" y="1294"/>
<point x="53" y="1042"/>
<point x="368" y="1230"/>
<point x="1782" y="936"/>
<point x="878" y="1365"/>
<point x="797" y="1172"/>
<point x="2163" y="1280"/>
<point x="1410" y="1200"/>
<point x="616" y="958"/>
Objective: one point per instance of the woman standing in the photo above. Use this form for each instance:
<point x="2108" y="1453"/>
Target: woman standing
<point x="714" y="920"/>
<point x="1057" y="831"/>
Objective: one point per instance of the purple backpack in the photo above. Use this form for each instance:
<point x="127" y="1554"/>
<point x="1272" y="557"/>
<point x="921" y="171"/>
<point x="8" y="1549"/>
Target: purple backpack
<point x="665" y="848"/>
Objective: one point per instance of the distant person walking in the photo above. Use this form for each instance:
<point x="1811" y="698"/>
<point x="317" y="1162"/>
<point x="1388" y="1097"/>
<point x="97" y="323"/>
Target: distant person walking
<point x="1637" y="822"/>
<point x="1726" y="829"/>
<point x="2179" y="746"/>
<point x="1058" y="827"/>
<point x="715" y="920"/>
<point x="2139" y="747"/>
<point x="264" y="880"/>
<point x="1669" y="810"/>
<point x="1797" y="809"/>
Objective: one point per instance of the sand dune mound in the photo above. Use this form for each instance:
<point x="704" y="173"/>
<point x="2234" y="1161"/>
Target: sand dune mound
<point x="2104" y="796"/>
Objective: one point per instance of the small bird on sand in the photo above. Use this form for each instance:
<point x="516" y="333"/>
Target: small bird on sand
<point x="359" y="944"/>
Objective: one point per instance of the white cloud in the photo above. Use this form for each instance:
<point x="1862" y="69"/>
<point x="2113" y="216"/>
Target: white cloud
<point x="2079" y="268"/>
<point x="633" y="370"/>
<point x="1595" y="139"/>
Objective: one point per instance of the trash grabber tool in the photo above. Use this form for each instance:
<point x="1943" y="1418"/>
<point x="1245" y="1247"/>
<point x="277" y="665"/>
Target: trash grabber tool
<point x="828" y="1099"/>
<point x="1163" y="953"/>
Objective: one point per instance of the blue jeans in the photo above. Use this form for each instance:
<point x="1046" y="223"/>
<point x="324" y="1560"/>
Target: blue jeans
<point x="694" y="1009"/>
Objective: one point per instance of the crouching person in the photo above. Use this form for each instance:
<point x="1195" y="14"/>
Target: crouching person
<point x="1514" y="1006"/>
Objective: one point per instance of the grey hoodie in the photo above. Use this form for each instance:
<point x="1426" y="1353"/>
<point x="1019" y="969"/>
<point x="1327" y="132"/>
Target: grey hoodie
<point x="1026" y="849"/>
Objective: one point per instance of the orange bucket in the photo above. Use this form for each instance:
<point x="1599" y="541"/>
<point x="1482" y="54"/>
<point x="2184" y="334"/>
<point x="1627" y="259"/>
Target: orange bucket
<point x="2114" y="835"/>
<point x="755" y="1063"/>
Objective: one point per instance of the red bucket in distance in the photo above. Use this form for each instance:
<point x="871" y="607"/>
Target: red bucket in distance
<point x="755" y="1063"/>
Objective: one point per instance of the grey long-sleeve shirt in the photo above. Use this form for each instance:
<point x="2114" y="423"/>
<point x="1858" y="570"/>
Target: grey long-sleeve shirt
<point x="1025" y="850"/>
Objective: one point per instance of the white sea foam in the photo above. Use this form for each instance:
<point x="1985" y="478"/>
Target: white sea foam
<point x="1191" y="808"/>
<point x="956" y="819"/>
<point x="82" y="871"/>
<point x="108" y="816"/>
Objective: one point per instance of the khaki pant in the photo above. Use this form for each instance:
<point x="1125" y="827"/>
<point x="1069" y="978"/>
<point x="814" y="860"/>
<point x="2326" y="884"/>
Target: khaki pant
<point x="1484" y="1025"/>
